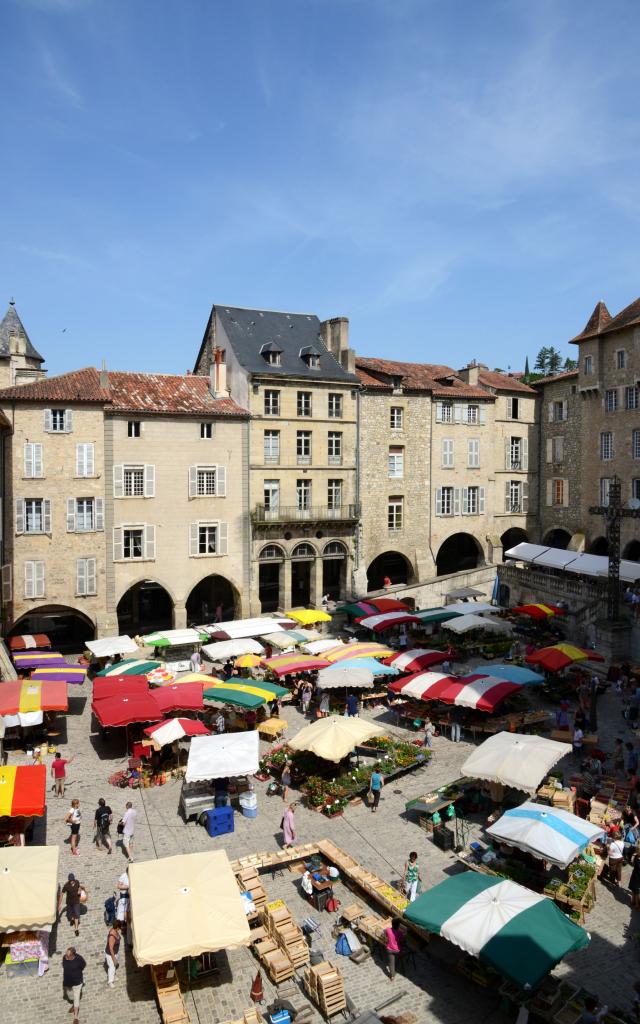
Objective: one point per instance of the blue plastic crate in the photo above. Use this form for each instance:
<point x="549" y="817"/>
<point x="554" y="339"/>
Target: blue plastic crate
<point x="219" y="821"/>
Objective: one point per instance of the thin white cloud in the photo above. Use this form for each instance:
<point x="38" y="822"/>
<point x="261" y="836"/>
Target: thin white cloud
<point x="57" y="79"/>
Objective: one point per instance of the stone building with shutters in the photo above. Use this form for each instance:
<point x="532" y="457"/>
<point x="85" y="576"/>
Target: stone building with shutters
<point x="296" y="377"/>
<point x="124" y="498"/>
<point x="20" y="361"/>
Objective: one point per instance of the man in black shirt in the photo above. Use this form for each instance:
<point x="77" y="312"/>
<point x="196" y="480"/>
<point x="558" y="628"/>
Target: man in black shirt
<point x="72" y="979"/>
<point x="103" y="818"/>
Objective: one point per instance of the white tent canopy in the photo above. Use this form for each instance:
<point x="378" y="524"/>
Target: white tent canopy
<point x="549" y="833"/>
<point x="216" y="757"/>
<point x="280" y="639"/>
<point x="232" y="649"/>
<point x="572" y="561"/>
<point x="514" y="759"/>
<point x="238" y="629"/>
<point x="320" y="646"/>
<point x="334" y="737"/>
<point x="474" y="608"/>
<point x="111" y="645"/>
<point x="172" y="637"/>
<point x="465" y="623"/>
<point x="334" y="678"/>
<point x="463" y="592"/>
<point x="184" y="906"/>
<point x="28" y="887"/>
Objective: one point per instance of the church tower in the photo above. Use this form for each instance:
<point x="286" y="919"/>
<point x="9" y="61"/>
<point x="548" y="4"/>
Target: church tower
<point x="20" y="362"/>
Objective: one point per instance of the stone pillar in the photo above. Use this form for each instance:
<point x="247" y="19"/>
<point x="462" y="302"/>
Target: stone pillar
<point x="316" y="582"/>
<point x="285" y="588"/>
<point x="106" y="624"/>
<point x="179" y="615"/>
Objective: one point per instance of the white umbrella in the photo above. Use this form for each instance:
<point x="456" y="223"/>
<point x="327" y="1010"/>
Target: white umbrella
<point x="546" y="832"/>
<point x="334" y="737"/>
<point x="474" y="608"/>
<point x="319" y="646"/>
<point x="514" y="760"/>
<point x="333" y="678"/>
<point x="232" y="649"/>
<point x="283" y="640"/>
<point x="465" y="623"/>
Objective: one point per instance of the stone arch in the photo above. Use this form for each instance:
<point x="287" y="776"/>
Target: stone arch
<point x="144" y="606"/>
<point x="632" y="551"/>
<point x="212" y="594"/>
<point x="393" y="565"/>
<point x="557" y="537"/>
<point x="67" y="626"/>
<point x="459" y="552"/>
<point x="334" y="569"/>
<point x="599" y="546"/>
<point x="335" y="549"/>
<point x="271" y="577"/>
<point x="271" y="553"/>
<point x="303" y="549"/>
<point x="514" y="535"/>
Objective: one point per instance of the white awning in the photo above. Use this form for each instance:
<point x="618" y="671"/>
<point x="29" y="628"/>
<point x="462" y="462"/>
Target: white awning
<point x="590" y="565"/>
<point x="110" y="645"/>
<point x="238" y="629"/>
<point x="474" y="608"/>
<point x="216" y="757"/>
<point x="556" y="558"/>
<point x="629" y="571"/>
<point x="232" y="649"/>
<point x="466" y="623"/>
<point x="171" y="638"/>
<point x="526" y="552"/>
<point x="463" y="592"/>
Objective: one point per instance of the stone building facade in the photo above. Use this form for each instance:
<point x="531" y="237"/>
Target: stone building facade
<point x="560" y="461"/>
<point x="20" y="362"/>
<point x="295" y="376"/>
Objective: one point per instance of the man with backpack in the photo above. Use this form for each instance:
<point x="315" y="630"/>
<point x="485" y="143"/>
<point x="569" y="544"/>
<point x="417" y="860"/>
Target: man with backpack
<point x="103" y="818"/>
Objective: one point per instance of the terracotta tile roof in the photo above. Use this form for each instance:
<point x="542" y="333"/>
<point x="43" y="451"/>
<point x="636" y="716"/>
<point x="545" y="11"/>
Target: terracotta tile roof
<point x="427" y="377"/>
<point x="556" y="376"/>
<point x="629" y="315"/>
<point x="599" y="321"/>
<point x="151" y="393"/>
<point x="502" y="381"/>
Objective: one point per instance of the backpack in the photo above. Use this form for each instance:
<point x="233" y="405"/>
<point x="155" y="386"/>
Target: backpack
<point x="103" y="819"/>
<point x="109" y="910"/>
<point x="333" y="904"/>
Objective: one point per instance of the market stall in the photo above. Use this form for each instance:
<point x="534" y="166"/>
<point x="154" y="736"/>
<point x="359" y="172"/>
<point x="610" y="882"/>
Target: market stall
<point x="289" y="664"/>
<point x="334" y="737"/>
<point x="174" y="647"/>
<point x="59" y="674"/>
<point x="308" y="616"/>
<point x="28" y="906"/>
<point x="560" y="656"/>
<point x="129" y="667"/>
<point x="24" y="703"/>
<point x="22" y="798"/>
<point x="387" y="620"/>
<point x="549" y="833"/>
<point x="357" y="649"/>
<point x="246" y="695"/>
<point x="26" y="660"/>
<point x="416" y="660"/>
<point x="110" y="646"/>
<point x="231" y="757"/>
<point x="478" y="692"/>
<point x="29" y="642"/>
<point x="516" y="760"/>
<point x="242" y="629"/>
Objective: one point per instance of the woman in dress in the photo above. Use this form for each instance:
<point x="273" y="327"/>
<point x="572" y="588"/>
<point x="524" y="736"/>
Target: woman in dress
<point x="289" y="826"/>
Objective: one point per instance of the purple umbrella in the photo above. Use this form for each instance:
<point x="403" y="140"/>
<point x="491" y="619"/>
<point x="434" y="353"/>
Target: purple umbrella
<point x="60" y="674"/>
<point x="38" y="659"/>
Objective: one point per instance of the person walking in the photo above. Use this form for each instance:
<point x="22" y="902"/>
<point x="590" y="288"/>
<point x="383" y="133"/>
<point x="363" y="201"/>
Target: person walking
<point x="289" y="826"/>
<point x="616" y="859"/>
<point x="111" y="952"/>
<point x="286" y="779"/>
<point x="103" y="818"/>
<point x="195" y="661"/>
<point x="122" y="905"/>
<point x="324" y="703"/>
<point x="352" y="706"/>
<point x="577" y="741"/>
<point x="59" y="772"/>
<point x="305" y="698"/>
<point x="411" y="877"/>
<point x="73" y="966"/>
<point x="128" y="821"/>
<point x="456" y="729"/>
<point x="70" y="893"/>
<point x="73" y="818"/>
<point x="376" y="782"/>
<point x="393" y="944"/>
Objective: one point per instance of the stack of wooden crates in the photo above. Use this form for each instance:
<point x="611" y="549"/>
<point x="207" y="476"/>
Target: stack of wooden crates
<point x="325" y="986"/>
<point x="170" y="1001"/>
<point x="284" y="930"/>
<point x="249" y="881"/>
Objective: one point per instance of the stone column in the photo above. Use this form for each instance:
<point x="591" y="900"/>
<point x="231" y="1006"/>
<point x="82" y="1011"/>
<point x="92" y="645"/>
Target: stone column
<point x="179" y="615"/>
<point x="285" y="589"/>
<point x="316" y="581"/>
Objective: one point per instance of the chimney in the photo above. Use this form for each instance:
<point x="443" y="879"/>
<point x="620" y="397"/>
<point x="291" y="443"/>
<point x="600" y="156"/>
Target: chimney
<point x="469" y="373"/>
<point x="335" y="335"/>
<point x="218" y="375"/>
<point x="104" y="376"/>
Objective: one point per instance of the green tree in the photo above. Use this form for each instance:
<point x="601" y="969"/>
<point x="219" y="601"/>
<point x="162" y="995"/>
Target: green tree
<point x="526" y="367"/>
<point x="570" y="364"/>
<point x="554" y="360"/>
<point x="542" y="359"/>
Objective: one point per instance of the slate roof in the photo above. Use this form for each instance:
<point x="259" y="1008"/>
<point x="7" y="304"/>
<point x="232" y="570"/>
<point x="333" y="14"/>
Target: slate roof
<point x="426" y="377"/>
<point x="12" y="324"/>
<point x="502" y="381"/>
<point x="249" y="330"/>
<point x="148" y="393"/>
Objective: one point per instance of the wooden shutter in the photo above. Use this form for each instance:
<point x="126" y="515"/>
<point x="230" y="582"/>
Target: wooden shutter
<point x="89" y="459"/>
<point x="457" y="412"/>
<point x="525" y="453"/>
<point x="48" y="421"/>
<point x="193" y="481"/>
<point x="71" y="515"/>
<point x="223" y="538"/>
<point x="438" y="412"/>
<point x="150" y="542"/>
<point x="565" y="493"/>
<point x="28" y="460"/>
<point x="68" y="420"/>
<point x="46" y="515"/>
<point x="99" y="514"/>
<point x="481" y="501"/>
<point x="439" y="501"/>
<point x="549" y="492"/>
<point x="550" y="409"/>
<point x="7" y="583"/>
<point x="118" y="481"/>
<point x="565" y="409"/>
<point x="29" y="588"/>
<point x="37" y="460"/>
<point x="38" y="579"/>
<point x="507" y="453"/>
<point x="92" y="577"/>
<point x="560" y="449"/>
<point x="149" y="481"/>
<point x="221" y="481"/>
<point x="550" y="449"/>
<point x="118" y="544"/>
<point x="80" y="460"/>
<point x="483" y="413"/>
<point x="456" y="501"/>
<point x="525" y="496"/>
<point x="194" y="534"/>
<point x="20" y="520"/>
<point x="81" y="577"/>
<point x="465" y="501"/>
<point x="507" y="496"/>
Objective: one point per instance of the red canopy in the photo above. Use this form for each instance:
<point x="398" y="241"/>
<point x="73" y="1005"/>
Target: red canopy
<point x="189" y="726"/>
<point x="179" y="697"/>
<point x="416" y="659"/>
<point x="24" y="696"/>
<point x="119" y="686"/>
<point x="22" y="790"/>
<point x="481" y="692"/>
<point x="388" y="604"/>
<point x="378" y="623"/>
<point x="28" y="641"/>
<point x="123" y="710"/>
<point x="560" y="656"/>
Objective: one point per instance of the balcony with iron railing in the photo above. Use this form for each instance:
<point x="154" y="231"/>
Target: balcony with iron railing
<point x="314" y="513"/>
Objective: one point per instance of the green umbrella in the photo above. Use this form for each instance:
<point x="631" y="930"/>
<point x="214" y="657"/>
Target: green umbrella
<point x="244" y="693"/>
<point x="130" y="667"/>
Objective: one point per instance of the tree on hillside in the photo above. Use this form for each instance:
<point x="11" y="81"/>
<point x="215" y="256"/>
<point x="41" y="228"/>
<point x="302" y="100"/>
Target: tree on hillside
<point x="541" y="359"/>
<point x="554" y="360"/>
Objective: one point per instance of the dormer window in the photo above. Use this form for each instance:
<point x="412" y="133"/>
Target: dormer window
<point x="271" y="354"/>
<point x="311" y="356"/>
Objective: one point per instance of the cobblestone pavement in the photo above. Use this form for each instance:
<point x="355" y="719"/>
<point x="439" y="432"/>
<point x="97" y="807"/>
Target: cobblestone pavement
<point x="381" y="842"/>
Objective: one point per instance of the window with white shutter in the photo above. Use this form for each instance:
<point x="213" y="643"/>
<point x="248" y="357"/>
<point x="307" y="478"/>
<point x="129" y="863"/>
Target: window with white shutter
<point x="456" y="501"/>
<point x="33" y="460"/>
<point x="193" y="539"/>
<point x="483" y="415"/>
<point x="149" y="481"/>
<point x="222" y="481"/>
<point x="473" y="453"/>
<point x="34" y="579"/>
<point x="99" y="514"/>
<point x="7" y="583"/>
<point x="118" y="481"/>
<point x="71" y="515"/>
<point x="20" y="515"/>
<point x="465" y="501"/>
<point x="118" y="543"/>
<point x="149" y="542"/>
<point x="525" y="454"/>
<point x="439" y="501"/>
<point x="481" y="502"/>
<point x="68" y="421"/>
<point x="525" y="497"/>
<point x="47" y="421"/>
<point x="85" y="459"/>
<point x="224" y="538"/>
<point x="447" y="453"/>
<point x="86" y="577"/>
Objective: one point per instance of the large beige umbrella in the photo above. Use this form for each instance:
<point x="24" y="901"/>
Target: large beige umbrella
<point x="184" y="906"/>
<point x="334" y="737"/>
<point x="515" y="759"/>
<point x="28" y="887"/>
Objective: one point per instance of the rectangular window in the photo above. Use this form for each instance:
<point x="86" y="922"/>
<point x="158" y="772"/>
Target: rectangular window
<point x="606" y="445"/>
<point x="206" y="431"/>
<point x="304" y="403"/>
<point x="303" y="447"/>
<point x="611" y="400"/>
<point x="605" y="485"/>
<point x="271" y="447"/>
<point x="396" y="417"/>
<point x="134" y="481"/>
<point x="445" y="501"/>
<point x="86" y="577"/>
<point x="33" y="579"/>
<point x="206" y="481"/>
<point x="133" y="542"/>
<point x="635" y="444"/>
<point x="33" y="460"/>
<point x="557" y="449"/>
<point x="473" y="414"/>
<point x="621" y="359"/>
<point x="635" y="488"/>
<point x="514" y="497"/>
<point x="58" y="421"/>
<point x="444" y="412"/>
<point x="470" y="501"/>
<point x="557" y="492"/>
<point x="334" y="448"/>
<point x="513" y="408"/>
<point x="335" y="406"/>
<point x="334" y="495"/>
<point x="271" y="495"/>
<point x="447" y="453"/>
<point x="134" y="428"/>
<point x="396" y="462"/>
<point x="395" y="512"/>
<point x="207" y="539"/>
<point x="271" y="403"/>
<point x="85" y="459"/>
<point x="34" y="515"/>
<point x="84" y="515"/>
<point x="303" y="495"/>
<point x="588" y="365"/>
<point x="559" y="411"/>
<point x="631" y="397"/>
<point x="473" y="453"/>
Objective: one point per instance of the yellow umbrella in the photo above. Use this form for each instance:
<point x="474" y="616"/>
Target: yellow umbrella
<point x="307" y="616"/>
<point x="248" y="661"/>
<point x="194" y="677"/>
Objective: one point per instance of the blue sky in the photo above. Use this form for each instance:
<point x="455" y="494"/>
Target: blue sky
<point x="458" y="178"/>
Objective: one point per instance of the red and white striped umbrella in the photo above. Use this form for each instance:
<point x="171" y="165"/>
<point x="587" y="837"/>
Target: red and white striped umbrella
<point x="175" y="729"/>
<point x="378" y="623"/>
<point x="416" y="660"/>
<point x="480" y="692"/>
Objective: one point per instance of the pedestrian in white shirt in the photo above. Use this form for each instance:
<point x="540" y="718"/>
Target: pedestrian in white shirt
<point x="129" y="826"/>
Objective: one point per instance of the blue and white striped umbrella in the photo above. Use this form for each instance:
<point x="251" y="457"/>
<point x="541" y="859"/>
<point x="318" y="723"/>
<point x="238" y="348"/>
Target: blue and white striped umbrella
<point x="546" y="832"/>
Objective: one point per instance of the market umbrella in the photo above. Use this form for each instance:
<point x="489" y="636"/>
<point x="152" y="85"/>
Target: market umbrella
<point x="23" y="702"/>
<point x="283" y="664"/>
<point x="514" y="759"/>
<point x="184" y="906"/>
<point x="192" y="677"/>
<point x="173" y="637"/>
<point x="248" y="661"/>
<point x="232" y="648"/>
<point x="538" y="611"/>
<point x="479" y="692"/>
<point x="283" y="641"/>
<point x="118" y="711"/>
<point x="161" y="676"/>
<point x="130" y="667"/>
<point x="516" y="673"/>
<point x="36" y="659"/>
<point x="388" y="604"/>
<point x="217" y="757"/>
<point x="356" y="609"/>
<point x="109" y="646"/>
<point x="29" y="641"/>
<point x="59" y="674"/>
<point x="387" y="620"/>
<point x="22" y="790"/>
<point x="519" y="933"/>
<point x="467" y="623"/>
<point x="377" y="668"/>
<point x="344" y="652"/>
<point x="28" y="887"/>
<point x="548" y="833"/>
<point x="240" y="629"/>
<point x="320" y="646"/>
<point x="308" y="616"/>
<point x="345" y="675"/>
<point x="428" y="615"/>
<point x="175" y="729"/>
<point x="416" y="659"/>
<point x="119" y="686"/>
<point x="559" y="656"/>
<point x="334" y="737"/>
<point x="243" y="693"/>
<point x="179" y="697"/>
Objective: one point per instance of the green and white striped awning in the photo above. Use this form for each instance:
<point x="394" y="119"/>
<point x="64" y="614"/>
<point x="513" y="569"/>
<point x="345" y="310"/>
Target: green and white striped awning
<point x="519" y="933"/>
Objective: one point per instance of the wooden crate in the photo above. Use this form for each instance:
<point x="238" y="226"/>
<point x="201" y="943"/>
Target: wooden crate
<point x="325" y="986"/>
<point x="168" y="994"/>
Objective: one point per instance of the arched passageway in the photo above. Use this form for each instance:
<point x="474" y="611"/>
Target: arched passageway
<point x="391" y="564"/>
<point x="67" y="628"/>
<point x="213" y="599"/>
<point x="557" y="538"/>
<point x="270" y="577"/>
<point x="334" y="570"/>
<point x="509" y="539"/>
<point x="459" y="552"/>
<point x="632" y="551"/>
<point x="599" y="546"/>
<point x="145" y="607"/>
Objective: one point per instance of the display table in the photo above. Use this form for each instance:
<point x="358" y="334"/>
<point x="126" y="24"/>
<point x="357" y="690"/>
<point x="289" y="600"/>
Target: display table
<point x="272" y="728"/>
